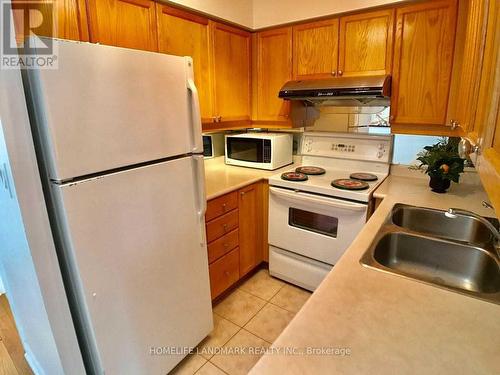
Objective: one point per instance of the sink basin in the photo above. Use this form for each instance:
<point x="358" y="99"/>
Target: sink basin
<point x="435" y="223"/>
<point x="424" y="245"/>
<point x="445" y="263"/>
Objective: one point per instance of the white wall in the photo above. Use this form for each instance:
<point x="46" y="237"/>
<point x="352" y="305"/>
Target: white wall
<point x="267" y="13"/>
<point x="257" y="14"/>
<point x="238" y="11"/>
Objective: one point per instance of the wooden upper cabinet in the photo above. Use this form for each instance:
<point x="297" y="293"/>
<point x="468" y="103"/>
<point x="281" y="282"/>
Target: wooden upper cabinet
<point x="185" y="34"/>
<point x="124" y="23"/>
<point x="487" y="119"/>
<point x="65" y="19"/>
<point x="315" y="49"/>
<point x="365" y="43"/>
<point x="468" y="61"/>
<point x="423" y="57"/>
<point x="231" y="67"/>
<point x="274" y="68"/>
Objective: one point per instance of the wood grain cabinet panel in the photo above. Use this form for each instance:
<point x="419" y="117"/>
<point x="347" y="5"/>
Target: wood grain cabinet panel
<point x="222" y="225"/>
<point x="124" y="23"/>
<point x="185" y="34"/>
<point x="488" y="111"/>
<point x="249" y="228"/>
<point x="222" y="245"/>
<point x="221" y="205"/>
<point x="423" y="57"/>
<point x="65" y="19"/>
<point x="231" y="48"/>
<point x="467" y="68"/>
<point x="224" y="272"/>
<point x="315" y="49"/>
<point x="274" y="69"/>
<point x="365" y="43"/>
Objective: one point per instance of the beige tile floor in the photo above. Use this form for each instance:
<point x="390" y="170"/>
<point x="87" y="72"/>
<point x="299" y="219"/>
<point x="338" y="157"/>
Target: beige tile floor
<point x="252" y="316"/>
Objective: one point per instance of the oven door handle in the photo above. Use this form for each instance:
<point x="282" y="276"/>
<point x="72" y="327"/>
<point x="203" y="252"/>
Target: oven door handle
<point x="325" y="202"/>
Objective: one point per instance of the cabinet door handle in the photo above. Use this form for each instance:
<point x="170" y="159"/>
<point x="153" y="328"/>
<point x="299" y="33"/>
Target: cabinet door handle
<point x="226" y="273"/>
<point x="224" y="207"/>
<point x="242" y="193"/>
<point x="454" y="124"/>
<point x="340" y="72"/>
<point x="334" y="73"/>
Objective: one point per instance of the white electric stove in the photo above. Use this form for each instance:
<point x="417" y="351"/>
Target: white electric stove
<point x="312" y="221"/>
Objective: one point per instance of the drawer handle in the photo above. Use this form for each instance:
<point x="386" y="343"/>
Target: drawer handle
<point x="224" y="226"/>
<point x="224" y="207"/>
<point x="225" y="245"/>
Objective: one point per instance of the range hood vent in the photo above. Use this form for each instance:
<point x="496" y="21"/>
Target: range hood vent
<point x="340" y="91"/>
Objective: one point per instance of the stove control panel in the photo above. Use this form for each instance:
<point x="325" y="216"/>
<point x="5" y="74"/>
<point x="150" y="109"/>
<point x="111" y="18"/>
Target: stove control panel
<point x="348" y="146"/>
<point x="343" y="147"/>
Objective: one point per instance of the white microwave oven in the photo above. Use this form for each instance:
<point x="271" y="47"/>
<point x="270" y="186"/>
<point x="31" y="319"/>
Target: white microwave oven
<point x="213" y="145"/>
<point x="259" y="150"/>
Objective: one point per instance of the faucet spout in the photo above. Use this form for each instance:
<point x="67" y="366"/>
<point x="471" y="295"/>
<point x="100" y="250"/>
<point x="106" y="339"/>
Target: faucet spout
<point x="452" y="213"/>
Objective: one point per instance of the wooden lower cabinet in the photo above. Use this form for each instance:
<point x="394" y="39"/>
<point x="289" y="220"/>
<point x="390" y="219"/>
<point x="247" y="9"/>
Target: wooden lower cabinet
<point x="222" y="225"/>
<point x="224" y="272"/>
<point x="236" y="239"/>
<point x="223" y="245"/>
<point x="249" y="228"/>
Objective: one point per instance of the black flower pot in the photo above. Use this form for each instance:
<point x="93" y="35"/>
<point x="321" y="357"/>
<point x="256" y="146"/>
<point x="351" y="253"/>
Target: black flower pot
<point x="439" y="185"/>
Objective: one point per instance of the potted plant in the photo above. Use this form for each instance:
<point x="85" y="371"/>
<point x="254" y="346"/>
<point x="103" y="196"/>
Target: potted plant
<point x="442" y="163"/>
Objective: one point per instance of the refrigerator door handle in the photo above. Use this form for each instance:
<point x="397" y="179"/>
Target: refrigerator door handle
<point x="200" y="191"/>
<point x="197" y="145"/>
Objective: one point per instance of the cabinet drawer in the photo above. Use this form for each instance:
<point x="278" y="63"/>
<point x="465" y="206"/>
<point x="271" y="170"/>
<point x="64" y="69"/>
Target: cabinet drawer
<point x="222" y="245"/>
<point x="222" y="225"/>
<point x="224" y="272"/>
<point x="221" y="205"/>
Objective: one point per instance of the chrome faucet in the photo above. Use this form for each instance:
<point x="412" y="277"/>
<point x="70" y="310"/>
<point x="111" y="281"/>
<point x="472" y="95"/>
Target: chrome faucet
<point x="452" y="213"/>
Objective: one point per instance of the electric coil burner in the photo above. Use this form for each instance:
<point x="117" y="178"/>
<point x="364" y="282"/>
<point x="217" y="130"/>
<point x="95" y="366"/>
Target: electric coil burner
<point x="363" y="176"/>
<point x="349" y="184"/>
<point x="313" y="171"/>
<point x="317" y="211"/>
<point x="294" y="176"/>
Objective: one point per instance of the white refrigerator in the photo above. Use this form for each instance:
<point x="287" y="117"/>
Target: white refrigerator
<point x="118" y="140"/>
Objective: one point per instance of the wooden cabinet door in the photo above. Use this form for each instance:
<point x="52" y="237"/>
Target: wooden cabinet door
<point x="65" y="19"/>
<point x="468" y="61"/>
<point x="249" y="224"/>
<point x="124" y="23"/>
<point x="315" y="49"/>
<point x="365" y="43"/>
<point x="488" y="111"/>
<point x="423" y="54"/>
<point x="274" y="69"/>
<point x="231" y="67"/>
<point x="185" y="34"/>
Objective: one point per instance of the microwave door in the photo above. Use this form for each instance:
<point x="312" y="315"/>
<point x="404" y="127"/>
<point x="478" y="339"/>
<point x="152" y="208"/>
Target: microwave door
<point x="249" y="150"/>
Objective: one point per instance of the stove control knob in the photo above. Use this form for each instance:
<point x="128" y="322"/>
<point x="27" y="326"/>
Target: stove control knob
<point x="380" y="154"/>
<point x="381" y="146"/>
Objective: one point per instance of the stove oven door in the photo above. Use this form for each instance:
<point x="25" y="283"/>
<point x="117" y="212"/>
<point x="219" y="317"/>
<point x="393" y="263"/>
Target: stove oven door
<point x="311" y="225"/>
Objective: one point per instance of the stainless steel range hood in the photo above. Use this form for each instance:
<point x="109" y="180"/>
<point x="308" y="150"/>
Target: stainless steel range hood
<point x="340" y="91"/>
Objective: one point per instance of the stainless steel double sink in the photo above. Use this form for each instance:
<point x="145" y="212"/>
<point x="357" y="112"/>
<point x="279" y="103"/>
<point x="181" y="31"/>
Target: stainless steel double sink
<point x="456" y="253"/>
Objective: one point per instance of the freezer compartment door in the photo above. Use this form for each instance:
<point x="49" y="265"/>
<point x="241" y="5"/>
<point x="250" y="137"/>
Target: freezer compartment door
<point x="107" y="107"/>
<point x="136" y="243"/>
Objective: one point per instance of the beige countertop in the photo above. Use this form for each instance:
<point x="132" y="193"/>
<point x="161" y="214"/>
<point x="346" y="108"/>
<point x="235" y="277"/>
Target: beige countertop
<point x="391" y="324"/>
<point x="221" y="178"/>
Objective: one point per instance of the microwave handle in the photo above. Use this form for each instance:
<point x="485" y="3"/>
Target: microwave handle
<point x="325" y="202"/>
